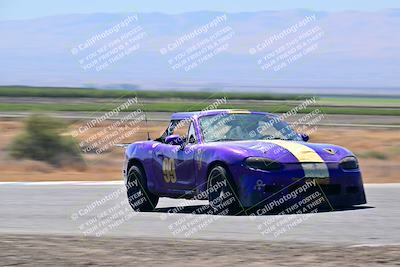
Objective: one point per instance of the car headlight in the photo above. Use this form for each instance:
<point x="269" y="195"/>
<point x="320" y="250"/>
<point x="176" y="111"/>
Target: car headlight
<point x="349" y="163"/>
<point x="262" y="164"/>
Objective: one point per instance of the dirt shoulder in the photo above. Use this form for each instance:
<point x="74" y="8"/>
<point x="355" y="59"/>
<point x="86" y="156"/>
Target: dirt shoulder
<point x="40" y="250"/>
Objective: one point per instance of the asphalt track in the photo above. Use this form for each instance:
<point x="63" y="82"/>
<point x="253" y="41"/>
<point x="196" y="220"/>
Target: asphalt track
<point x="100" y="209"/>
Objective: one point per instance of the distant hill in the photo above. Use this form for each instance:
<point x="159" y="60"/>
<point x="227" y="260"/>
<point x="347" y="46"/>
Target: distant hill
<point x="357" y="50"/>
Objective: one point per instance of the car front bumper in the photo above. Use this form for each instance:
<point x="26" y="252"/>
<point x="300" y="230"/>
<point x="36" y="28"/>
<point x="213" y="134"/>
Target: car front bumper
<point x="290" y="186"/>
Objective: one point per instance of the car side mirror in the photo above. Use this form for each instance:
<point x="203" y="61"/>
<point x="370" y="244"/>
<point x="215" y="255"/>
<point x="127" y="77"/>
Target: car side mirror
<point x="305" y="137"/>
<point x="175" y="140"/>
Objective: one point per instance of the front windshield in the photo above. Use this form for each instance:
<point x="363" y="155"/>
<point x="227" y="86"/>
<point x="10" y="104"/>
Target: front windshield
<point x="229" y="127"/>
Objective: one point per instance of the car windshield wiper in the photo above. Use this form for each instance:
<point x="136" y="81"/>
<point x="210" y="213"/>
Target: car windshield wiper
<point x="278" y="138"/>
<point x="231" y="139"/>
<point x="225" y="139"/>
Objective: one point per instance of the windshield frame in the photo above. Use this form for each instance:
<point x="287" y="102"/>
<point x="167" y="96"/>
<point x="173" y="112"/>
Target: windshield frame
<point x="267" y="115"/>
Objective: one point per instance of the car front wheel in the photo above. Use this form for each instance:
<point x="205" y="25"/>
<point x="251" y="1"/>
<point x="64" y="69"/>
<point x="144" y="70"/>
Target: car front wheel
<point x="222" y="195"/>
<point x="139" y="197"/>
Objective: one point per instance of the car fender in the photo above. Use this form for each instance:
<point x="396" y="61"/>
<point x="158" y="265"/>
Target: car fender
<point x="207" y="156"/>
<point x="141" y="152"/>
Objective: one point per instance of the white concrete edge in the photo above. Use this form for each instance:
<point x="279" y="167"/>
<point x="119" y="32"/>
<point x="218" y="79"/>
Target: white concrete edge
<point x="118" y="182"/>
<point x="382" y="185"/>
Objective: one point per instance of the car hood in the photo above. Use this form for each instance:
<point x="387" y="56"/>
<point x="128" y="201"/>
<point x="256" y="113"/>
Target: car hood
<point x="288" y="151"/>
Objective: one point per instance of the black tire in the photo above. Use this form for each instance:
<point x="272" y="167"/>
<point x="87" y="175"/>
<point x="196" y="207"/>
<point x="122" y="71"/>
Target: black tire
<point x="139" y="197"/>
<point x="222" y="194"/>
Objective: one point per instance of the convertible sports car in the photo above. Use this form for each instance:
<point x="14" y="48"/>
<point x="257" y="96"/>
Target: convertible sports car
<point x="238" y="159"/>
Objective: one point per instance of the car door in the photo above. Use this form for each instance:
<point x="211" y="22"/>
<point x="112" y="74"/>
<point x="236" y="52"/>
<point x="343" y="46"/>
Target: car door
<point x="174" y="164"/>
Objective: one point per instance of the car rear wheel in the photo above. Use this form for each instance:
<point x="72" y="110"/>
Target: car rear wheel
<point x="222" y="194"/>
<point x="139" y="197"/>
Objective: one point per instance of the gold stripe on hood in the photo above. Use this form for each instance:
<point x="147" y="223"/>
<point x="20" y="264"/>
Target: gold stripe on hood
<point x="313" y="165"/>
<point x="301" y="152"/>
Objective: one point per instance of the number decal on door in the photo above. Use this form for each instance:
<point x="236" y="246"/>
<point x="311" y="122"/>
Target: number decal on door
<point x="168" y="168"/>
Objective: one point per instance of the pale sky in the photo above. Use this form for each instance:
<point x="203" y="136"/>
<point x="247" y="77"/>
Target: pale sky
<point x="23" y="9"/>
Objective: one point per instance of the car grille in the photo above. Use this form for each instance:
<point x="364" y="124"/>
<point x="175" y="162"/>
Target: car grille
<point x="272" y="188"/>
<point x="327" y="189"/>
<point x="331" y="189"/>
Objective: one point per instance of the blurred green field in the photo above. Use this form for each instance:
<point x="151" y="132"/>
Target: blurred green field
<point x="174" y="101"/>
<point x="360" y="101"/>
<point x="180" y="106"/>
<point x="21" y="91"/>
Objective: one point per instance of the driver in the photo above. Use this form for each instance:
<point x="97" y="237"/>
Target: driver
<point x="240" y="129"/>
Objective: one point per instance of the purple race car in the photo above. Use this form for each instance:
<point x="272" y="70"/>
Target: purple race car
<point x="239" y="160"/>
